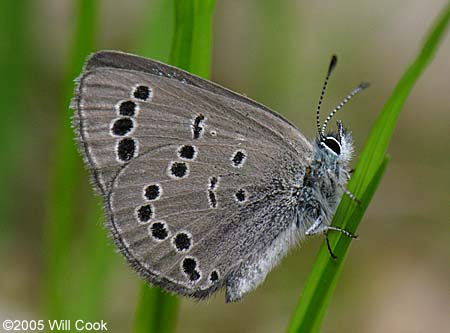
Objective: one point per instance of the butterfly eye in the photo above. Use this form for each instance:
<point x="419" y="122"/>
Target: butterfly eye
<point x="333" y="144"/>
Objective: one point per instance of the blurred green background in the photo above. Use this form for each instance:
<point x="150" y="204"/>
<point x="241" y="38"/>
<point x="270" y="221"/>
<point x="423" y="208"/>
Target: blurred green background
<point x="397" y="275"/>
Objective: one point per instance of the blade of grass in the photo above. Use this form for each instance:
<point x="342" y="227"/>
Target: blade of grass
<point x="91" y="270"/>
<point x="65" y="174"/>
<point x="268" y="41"/>
<point x="323" y="277"/>
<point x="201" y="47"/>
<point x="191" y="50"/>
<point x="156" y="311"/>
<point x="381" y="134"/>
<point x="180" y="54"/>
<point x="13" y="69"/>
<point x="191" y="47"/>
<point x="155" y="42"/>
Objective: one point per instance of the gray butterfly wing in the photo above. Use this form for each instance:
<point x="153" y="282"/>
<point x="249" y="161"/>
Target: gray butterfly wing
<point x="197" y="179"/>
<point x="121" y="60"/>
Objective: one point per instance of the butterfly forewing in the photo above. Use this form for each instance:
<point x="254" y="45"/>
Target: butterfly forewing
<point x="193" y="176"/>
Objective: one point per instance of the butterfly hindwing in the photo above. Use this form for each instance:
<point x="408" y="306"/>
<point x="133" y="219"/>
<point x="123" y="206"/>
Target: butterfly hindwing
<point x="213" y="208"/>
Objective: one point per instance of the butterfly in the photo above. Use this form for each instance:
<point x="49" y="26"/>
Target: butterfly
<point x="203" y="188"/>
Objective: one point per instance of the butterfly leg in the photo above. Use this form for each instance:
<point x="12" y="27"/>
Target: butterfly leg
<point x="317" y="227"/>
<point x="342" y="231"/>
<point x="352" y="196"/>
<point x="345" y="232"/>
<point x="330" y="250"/>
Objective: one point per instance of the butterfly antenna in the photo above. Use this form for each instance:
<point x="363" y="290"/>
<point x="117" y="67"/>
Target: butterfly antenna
<point x="324" y="87"/>
<point x="359" y="88"/>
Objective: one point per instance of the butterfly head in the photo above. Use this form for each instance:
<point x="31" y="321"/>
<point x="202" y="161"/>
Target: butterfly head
<point x="336" y="145"/>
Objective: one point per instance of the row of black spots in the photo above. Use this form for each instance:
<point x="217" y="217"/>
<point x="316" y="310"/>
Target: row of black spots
<point x="197" y="126"/>
<point x="178" y="170"/>
<point x="130" y="108"/>
<point x="126" y="149"/>
<point x="238" y="159"/>
<point x="189" y="268"/>
<point x="124" y="125"/>
<point x="187" y="152"/>
<point x="240" y="196"/>
<point x="159" y="231"/>
<point x="182" y="241"/>
<point x="146" y="212"/>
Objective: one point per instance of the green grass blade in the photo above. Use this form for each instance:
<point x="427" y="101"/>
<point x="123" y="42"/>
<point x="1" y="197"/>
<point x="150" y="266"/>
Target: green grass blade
<point x="92" y="267"/>
<point x="381" y="134"/>
<point x="66" y="172"/>
<point x="180" y="55"/>
<point x="13" y="81"/>
<point x="191" y="50"/>
<point x="324" y="274"/>
<point x="153" y="41"/>
<point x="202" y="38"/>
<point x="323" y="277"/>
<point x="156" y="311"/>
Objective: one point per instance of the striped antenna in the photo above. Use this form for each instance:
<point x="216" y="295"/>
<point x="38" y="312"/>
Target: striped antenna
<point x="324" y="87"/>
<point x="358" y="89"/>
